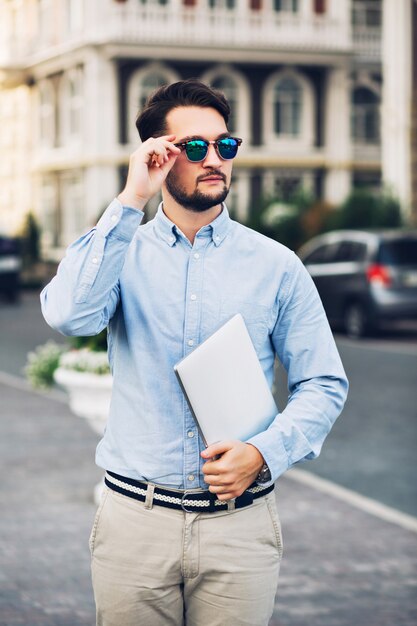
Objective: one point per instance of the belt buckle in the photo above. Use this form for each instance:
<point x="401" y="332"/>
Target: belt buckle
<point x="182" y="502"/>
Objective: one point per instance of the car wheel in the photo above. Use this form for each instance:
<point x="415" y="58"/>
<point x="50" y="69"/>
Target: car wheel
<point x="356" y="321"/>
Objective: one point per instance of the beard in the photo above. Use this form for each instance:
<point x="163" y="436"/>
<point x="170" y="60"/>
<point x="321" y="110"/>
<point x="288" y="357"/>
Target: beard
<point x="195" y="201"/>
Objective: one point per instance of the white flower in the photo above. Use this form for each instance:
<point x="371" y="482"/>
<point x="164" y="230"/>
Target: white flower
<point x="85" y="360"/>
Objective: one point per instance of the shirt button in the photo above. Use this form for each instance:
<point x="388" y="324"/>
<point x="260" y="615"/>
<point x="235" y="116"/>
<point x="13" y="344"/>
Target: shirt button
<point x="193" y="297"/>
<point x="190" y="477"/>
<point x="191" y="342"/>
<point x="190" y="434"/>
<point x="196" y="256"/>
<point x="95" y="260"/>
<point x="172" y="238"/>
<point x="113" y="218"/>
<point x="217" y="238"/>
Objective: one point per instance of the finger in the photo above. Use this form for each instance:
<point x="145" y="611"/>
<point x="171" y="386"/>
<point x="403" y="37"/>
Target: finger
<point x="172" y="147"/>
<point x="217" y="448"/>
<point x="168" y="164"/>
<point x="218" y="480"/>
<point x="229" y="495"/>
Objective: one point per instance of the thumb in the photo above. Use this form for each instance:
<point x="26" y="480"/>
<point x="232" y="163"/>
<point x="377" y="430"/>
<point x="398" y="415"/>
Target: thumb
<point x="216" y="448"/>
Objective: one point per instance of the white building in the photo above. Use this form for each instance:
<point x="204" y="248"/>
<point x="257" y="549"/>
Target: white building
<point x="304" y="78"/>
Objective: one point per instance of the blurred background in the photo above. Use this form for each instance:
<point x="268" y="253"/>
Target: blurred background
<point x="324" y="95"/>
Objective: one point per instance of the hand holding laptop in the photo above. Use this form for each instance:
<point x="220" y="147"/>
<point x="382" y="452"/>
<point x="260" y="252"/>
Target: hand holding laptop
<point x="236" y="469"/>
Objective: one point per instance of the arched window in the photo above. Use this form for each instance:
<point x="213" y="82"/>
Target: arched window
<point x="287" y="107"/>
<point x="235" y="87"/>
<point x="142" y="83"/>
<point x="228" y="86"/>
<point x="289" y="110"/>
<point x="365" y="116"/>
<point x="149" y="83"/>
<point x="46" y="114"/>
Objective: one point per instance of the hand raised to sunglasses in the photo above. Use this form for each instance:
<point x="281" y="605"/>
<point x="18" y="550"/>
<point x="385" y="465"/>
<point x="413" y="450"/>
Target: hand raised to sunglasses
<point x="148" y="167"/>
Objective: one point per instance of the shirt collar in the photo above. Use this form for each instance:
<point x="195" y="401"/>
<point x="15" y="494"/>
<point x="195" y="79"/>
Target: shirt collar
<point x="217" y="229"/>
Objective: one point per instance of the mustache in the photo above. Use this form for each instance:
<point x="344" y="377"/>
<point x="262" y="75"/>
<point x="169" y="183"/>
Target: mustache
<point x="210" y="174"/>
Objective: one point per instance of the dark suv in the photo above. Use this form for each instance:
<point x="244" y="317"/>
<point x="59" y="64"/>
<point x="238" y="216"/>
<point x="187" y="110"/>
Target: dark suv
<point x="10" y="264"/>
<point x="364" y="276"/>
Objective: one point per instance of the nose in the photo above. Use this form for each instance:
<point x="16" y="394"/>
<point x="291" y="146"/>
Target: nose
<point x="212" y="158"/>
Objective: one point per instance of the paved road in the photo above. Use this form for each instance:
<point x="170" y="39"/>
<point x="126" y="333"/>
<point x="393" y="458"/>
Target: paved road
<point x="372" y="446"/>
<point x="341" y="566"/>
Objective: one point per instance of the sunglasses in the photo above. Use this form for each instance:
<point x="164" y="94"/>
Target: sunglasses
<point x="196" y="149"/>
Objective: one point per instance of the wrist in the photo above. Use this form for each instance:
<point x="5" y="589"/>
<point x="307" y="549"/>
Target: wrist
<point x="131" y="200"/>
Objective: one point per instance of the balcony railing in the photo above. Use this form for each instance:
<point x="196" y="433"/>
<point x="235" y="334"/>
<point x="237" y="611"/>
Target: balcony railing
<point x="267" y="29"/>
<point x="200" y="27"/>
<point x="367" y="43"/>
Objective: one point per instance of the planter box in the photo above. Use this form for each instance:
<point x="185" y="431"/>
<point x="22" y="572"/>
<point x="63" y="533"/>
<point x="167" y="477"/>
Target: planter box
<point x="89" y="395"/>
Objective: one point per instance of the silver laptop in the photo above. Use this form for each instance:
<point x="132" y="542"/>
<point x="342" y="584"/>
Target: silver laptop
<point x="225" y="386"/>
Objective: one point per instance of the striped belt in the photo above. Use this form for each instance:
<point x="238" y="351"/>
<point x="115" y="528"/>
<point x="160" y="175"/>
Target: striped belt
<point x="188" y="501"/>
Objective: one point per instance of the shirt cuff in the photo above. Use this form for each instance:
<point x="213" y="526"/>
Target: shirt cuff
<point x="119" y="221"/>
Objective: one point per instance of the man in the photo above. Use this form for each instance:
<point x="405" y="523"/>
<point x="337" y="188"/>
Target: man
<point x="161" y="289"/>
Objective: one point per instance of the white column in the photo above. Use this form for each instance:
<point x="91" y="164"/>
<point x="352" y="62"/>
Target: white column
<point x="396" y="99"/>
<point x="100" y="131"/>
<point x="338" y="148"/>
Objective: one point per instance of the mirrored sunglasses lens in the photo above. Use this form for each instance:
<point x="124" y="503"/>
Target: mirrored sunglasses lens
<point x="196" y="150"/>
<point x="228" y="148"/>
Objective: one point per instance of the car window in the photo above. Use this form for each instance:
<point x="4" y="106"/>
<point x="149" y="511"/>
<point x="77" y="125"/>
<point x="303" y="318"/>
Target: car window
<point x="323" y="254"/>
<point x="399" y="252"/>
<point x="351" y="251"/>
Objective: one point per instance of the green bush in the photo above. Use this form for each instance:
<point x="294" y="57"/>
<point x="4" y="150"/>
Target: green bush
<point x="30" y="240"/>
<point x="303" y="216"/>
<point x="366" y="209"/>
<point x="97" y="343"/>
<point x="42" y="363"/>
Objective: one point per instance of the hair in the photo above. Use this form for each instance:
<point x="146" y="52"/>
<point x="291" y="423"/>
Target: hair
<point x="151" y="121"/>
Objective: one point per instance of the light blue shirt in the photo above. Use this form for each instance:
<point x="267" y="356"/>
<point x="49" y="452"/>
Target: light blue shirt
<point x="160" y="297"/>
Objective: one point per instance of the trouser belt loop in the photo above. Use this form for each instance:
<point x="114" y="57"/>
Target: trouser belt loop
<point x="149" y="496"/>
<point x="231" y="504"/>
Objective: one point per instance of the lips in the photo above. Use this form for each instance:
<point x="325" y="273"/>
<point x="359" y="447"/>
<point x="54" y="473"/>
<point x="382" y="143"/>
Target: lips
<point x="211" y="178"/>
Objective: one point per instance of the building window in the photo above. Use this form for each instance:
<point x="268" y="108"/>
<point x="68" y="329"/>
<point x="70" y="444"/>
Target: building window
<point x="320" y="7"/>
<point x="228" y="86"/>
<point x="255" y="5"/>
<point x="234" y="85"/>
<point x="286" y="6"/>
<point x="221" y="4"/>
<point x="367" y="13"/>
<point x="141" y="84"/>
<point x="148" y="85"/>
<point x="73" y="209"/>
<point x="365" y="116"/>
<point x="154" y="2"/>
<point x="46" y="114"/>
<point x="287" y="107"/>
<point x="49" y="213"/>
<point x="75" y="105"/>
<point x="71" y="106"/>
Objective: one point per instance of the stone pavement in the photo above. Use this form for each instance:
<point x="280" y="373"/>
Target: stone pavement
<point x="341" y="567"/>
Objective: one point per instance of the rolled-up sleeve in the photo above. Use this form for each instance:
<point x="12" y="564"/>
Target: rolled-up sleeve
<point x="317" y="382"/>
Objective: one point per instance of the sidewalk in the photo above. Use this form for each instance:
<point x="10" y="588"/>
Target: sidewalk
<point x="342" y="566"/>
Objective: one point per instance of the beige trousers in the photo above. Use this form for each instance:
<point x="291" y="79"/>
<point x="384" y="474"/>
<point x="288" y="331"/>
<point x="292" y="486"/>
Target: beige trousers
<point x="163" y="567"/>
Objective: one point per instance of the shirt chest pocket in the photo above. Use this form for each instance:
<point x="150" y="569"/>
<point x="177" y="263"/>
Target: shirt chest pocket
<point x="255" y="316"/>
